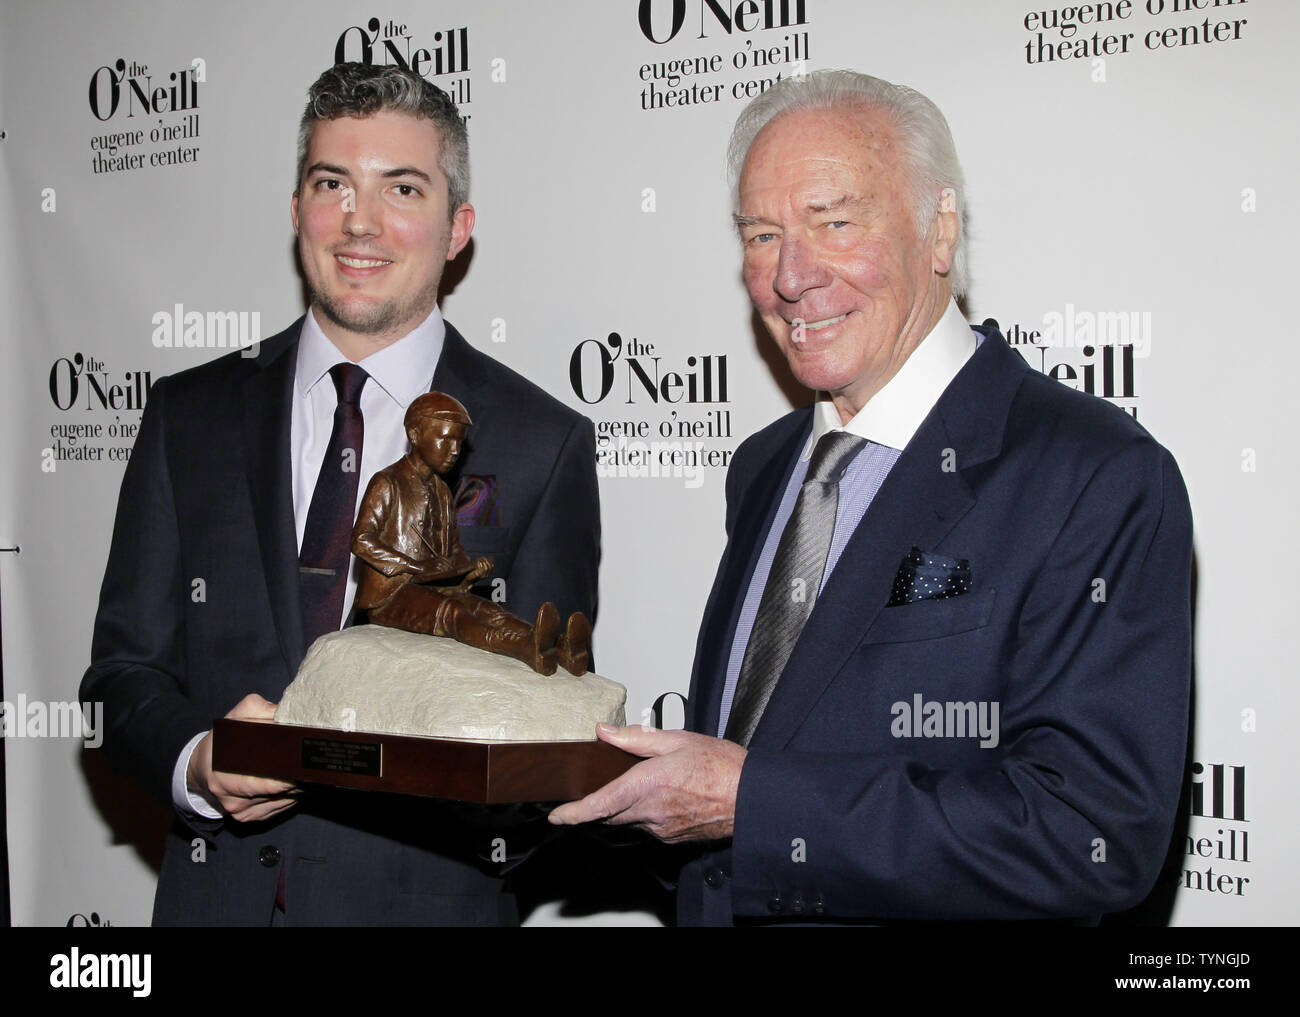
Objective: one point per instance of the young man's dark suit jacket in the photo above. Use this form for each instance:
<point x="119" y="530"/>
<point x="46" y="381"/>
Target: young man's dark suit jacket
<point x="1049" y="494"/>
<point x="200" y="607"/>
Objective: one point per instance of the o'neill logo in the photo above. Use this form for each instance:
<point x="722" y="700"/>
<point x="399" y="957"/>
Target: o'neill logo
<point x="1215" y="849"/>
<point x="161" y="121"/>
<point x="142" y="96"/>
<point x="592" y="367"/>
<point x="68" y="374"/>
<point x="729" y="15"/>
<point x="390" y="45"/>
<point x="1223" y="795"/>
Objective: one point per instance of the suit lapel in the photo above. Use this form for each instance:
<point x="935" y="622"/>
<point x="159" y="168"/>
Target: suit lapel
<point x="460" y="376"/>
<point x="920" y="502"/>
<point x="267" y="410"/>
<point x="459" y="373"/>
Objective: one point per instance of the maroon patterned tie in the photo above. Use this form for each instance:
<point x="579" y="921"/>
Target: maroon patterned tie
<point x="327" y="539"/>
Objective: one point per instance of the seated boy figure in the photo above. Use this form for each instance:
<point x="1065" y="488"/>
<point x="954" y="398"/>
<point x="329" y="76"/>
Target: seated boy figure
<point x="418" y="576"/>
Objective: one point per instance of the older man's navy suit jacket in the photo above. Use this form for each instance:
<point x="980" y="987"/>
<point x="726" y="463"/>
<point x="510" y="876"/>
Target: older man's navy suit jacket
<point x="1078" y="532"/>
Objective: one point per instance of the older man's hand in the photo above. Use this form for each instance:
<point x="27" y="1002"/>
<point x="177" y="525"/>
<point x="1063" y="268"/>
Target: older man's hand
<point x="685" y="790"/>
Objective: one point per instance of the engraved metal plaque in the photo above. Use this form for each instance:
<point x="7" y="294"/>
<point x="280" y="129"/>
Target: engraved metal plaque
<point x="334" y="755"/>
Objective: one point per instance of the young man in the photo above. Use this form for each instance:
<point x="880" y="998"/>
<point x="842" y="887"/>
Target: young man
<point x="230" y="550"/>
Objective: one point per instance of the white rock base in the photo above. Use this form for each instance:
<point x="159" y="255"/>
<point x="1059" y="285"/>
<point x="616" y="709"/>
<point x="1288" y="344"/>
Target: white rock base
<point x="375" y="678"/>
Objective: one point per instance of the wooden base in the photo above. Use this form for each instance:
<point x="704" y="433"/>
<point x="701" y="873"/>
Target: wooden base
<point x="486" y="772"/>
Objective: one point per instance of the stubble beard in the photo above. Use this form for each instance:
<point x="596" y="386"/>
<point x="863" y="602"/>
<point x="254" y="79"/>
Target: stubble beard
<point x="379" y="319"/>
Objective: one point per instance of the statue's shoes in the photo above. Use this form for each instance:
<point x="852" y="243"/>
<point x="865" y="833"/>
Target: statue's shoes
<point x="574" y="645"/>
<point x="547" y="627"/>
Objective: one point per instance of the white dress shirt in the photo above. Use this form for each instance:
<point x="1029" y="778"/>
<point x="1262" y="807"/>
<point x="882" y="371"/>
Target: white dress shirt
<point x="896" y="412"/>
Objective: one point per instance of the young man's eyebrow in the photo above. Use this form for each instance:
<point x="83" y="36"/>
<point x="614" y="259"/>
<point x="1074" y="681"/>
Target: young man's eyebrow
<point x="408" y="171"/>
<point x="396" y="171"/>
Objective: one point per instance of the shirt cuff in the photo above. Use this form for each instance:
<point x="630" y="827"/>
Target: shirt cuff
<point x="184" y="800"/>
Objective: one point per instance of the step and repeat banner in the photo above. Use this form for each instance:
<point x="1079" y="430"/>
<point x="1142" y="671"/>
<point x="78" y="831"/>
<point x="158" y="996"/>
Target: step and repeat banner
<point x="1132" y="229"/>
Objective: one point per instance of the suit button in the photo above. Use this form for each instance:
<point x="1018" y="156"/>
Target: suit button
<point x="796" y="905"/>
<point x="269" y="856"/>
<point x="819" y="905"/>
<point x="712" y="878"/>
<point x="774" y="905"/>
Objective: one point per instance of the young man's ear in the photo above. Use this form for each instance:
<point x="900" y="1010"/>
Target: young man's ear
<point x="462" y="225"/>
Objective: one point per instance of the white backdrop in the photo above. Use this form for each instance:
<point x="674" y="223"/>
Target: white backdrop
<point x="1133" y="199"/>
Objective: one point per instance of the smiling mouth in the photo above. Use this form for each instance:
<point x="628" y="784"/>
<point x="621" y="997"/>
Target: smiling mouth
<point x="361" y="262"/>
<point x="800" y="329"/>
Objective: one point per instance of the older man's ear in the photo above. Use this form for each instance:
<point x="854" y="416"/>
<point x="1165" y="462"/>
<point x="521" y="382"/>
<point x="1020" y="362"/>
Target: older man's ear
<point x="947" y="223"/>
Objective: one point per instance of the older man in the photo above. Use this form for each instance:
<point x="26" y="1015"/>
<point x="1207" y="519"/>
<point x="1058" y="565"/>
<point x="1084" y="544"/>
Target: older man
<point x="231" y="548"/>
<point x="944" y="669"/>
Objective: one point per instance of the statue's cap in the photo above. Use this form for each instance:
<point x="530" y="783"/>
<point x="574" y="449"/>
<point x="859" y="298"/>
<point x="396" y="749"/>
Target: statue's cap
<point x="438" y="405"/>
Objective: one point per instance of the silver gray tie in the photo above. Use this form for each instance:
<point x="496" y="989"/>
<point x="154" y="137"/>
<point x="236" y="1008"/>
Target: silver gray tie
<point x="793" y="583"/>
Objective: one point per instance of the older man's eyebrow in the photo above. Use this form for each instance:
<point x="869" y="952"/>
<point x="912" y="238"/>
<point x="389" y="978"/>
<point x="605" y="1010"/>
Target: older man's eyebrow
<point x="742" y="221"/>
<point x="845" y="201"/>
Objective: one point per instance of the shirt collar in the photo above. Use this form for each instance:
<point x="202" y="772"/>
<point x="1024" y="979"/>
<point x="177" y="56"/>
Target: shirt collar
<point x="896" y="412"/>
<point x="404" y="369"/>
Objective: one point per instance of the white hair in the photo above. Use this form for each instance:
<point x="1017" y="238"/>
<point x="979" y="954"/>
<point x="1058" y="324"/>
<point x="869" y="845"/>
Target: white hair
<point x="930" y="155"/>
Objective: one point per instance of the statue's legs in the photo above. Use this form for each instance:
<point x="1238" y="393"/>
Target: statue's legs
<point x="481" y="623"/>
<point x="474" y="621"/>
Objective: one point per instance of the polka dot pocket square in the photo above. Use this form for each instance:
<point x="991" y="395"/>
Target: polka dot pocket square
<point x="926" y="576"/>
